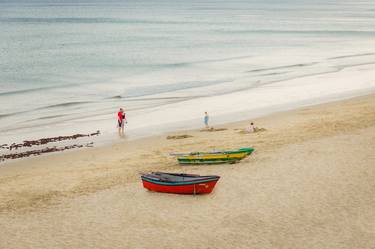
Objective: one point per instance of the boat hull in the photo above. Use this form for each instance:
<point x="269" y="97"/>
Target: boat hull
<point x="215" y="157"/>
<point x="193" y="187"/>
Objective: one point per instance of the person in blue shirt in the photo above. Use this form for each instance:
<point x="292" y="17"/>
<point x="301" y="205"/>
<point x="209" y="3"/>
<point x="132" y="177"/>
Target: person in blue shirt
<point x="206" y="120"/>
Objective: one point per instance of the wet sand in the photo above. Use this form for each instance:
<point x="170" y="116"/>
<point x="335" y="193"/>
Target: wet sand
<point x="309" y="184"/>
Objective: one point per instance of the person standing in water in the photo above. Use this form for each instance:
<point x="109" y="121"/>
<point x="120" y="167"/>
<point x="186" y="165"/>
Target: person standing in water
<point x="121" y="120"/>
<point x="206" y="117"/>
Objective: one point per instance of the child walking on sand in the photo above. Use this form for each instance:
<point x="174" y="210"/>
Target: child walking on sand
<point x="206" y="117"/>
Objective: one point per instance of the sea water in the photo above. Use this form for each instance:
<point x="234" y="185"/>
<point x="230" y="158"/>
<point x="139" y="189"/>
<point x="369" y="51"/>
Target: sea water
<point x="67" y="66"/>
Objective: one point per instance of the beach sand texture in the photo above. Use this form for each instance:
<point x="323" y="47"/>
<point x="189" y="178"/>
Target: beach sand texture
<point x="309" y="184"/>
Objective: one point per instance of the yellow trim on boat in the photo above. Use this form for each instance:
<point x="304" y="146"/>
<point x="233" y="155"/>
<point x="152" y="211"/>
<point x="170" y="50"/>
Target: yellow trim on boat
<point x="239" y="155"/>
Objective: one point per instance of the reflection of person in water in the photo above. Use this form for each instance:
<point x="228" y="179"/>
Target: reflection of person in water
<point x="121" y="120"/>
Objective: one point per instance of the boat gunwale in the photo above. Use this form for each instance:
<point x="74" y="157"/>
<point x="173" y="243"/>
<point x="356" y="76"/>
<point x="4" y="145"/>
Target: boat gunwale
<point x="248" y="151"/>
<point x="209" y="162"/>
<point x="174" y="183"/>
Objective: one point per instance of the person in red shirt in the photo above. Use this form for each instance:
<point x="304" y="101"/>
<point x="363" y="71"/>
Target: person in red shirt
<point x="121" y="120"/>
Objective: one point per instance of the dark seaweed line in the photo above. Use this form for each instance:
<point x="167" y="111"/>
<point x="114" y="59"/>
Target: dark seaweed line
<point x="42" y="141"/>
<point x="42" y="151"/>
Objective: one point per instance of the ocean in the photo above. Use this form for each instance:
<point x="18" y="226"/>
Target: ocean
<point x="66" y="67"/>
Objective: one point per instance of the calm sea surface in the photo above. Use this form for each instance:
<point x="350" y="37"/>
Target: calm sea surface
<point x="74" y="63"/>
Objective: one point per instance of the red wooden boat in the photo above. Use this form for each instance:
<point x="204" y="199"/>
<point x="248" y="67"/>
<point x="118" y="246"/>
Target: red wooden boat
<point x="179" y="183"/>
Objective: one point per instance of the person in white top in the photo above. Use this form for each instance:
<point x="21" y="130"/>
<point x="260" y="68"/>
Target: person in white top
<point x="251" y="128"/>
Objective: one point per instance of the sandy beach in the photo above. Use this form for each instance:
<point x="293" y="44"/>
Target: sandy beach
<point x="309" y="184"/>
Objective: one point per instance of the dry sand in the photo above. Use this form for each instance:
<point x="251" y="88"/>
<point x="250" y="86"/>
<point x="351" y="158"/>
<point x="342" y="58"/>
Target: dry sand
<point x="310" y="184"/>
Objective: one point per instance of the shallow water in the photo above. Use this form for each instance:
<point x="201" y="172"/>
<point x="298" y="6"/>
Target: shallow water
<point x="67" y="66"/>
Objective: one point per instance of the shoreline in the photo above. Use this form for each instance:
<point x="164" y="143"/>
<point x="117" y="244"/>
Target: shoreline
<point x="251" y="102"/>
<point x="119" y="141"/>
<point x="139" y="142"/>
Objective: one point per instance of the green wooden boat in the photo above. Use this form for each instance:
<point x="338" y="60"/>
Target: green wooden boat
<point x="215" y="157"/>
